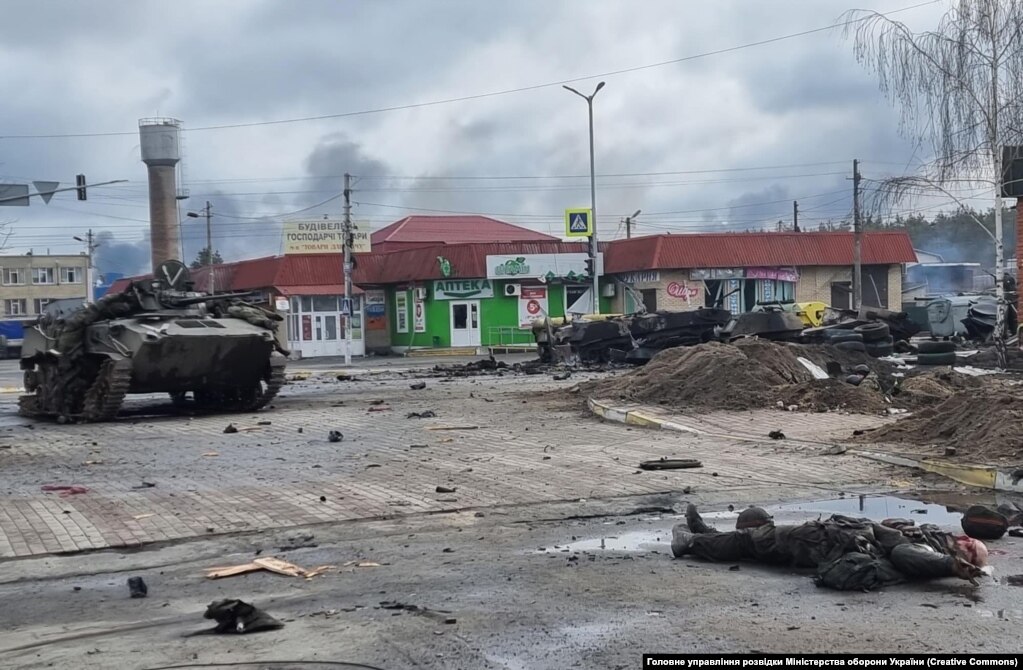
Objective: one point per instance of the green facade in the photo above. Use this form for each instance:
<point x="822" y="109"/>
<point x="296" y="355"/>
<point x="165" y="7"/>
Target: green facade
<point x="499" y="317"/>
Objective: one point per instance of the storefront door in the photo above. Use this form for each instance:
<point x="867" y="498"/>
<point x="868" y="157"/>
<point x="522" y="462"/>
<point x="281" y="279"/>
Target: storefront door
<point x="316" y="326"/>
<point x="465" y="324"/>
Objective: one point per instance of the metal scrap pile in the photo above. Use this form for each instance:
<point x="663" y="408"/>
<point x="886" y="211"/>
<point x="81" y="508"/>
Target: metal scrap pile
<point x="635" y="339"/>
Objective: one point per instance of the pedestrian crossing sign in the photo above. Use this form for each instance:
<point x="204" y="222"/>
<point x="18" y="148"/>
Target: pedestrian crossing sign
<point x="578" y="222"/>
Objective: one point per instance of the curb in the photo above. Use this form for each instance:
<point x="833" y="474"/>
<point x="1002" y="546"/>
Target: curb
<point x="979" y="476"/>
<point x="637" y="418"/>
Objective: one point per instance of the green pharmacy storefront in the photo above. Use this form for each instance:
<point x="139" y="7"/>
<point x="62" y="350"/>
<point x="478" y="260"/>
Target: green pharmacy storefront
<point x="496" y="310"/>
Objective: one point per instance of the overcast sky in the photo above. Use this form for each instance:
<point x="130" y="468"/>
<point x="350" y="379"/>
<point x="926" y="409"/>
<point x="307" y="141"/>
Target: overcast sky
<point x="98" y="67"/>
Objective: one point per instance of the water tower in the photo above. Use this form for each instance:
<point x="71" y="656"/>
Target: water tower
<point x="161" y="153"/>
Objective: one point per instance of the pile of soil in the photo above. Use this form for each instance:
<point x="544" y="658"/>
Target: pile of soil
<point x="932" y="387"/>
<point x="982" y="424"/>
<point x="748" y="374"/>
<point x="828" y="395"/>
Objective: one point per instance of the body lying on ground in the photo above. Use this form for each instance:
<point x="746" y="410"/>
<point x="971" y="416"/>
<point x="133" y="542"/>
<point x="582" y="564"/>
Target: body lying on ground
<point x="848" y="553"/>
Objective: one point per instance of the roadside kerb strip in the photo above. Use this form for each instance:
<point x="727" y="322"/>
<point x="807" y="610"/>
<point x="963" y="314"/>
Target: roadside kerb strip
<point x="980" y="476"/>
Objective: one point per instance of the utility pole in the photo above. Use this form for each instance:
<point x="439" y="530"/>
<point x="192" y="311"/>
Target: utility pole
<point x="208" y="212"/>
<point x="628" y="225"/>
<point x="857" y="276"/>
<point x="209" y="247"/>
<point x="90" y="284"/>
<point x="348" y="238"/>
<point x="795" y="216"/>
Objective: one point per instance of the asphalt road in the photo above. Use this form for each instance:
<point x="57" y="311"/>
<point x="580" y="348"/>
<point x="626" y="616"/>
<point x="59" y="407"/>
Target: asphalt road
<point x="514" y="555"/>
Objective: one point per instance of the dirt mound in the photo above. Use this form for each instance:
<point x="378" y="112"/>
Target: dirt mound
<point x="748" y="374"/>
<point x="713" y="374"/>
<point x="982" y="424"/>
<point x="826" y="395"/>
<point x="932" y="386"/>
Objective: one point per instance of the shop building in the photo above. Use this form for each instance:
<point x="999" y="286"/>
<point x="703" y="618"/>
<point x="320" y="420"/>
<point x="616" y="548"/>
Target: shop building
<point x="739" y="270"/>
<point x="481" y="295"/>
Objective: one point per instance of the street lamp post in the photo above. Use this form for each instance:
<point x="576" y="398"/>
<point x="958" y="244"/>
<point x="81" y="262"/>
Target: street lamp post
<point x="207" y="211"/>
<point x="593" y="196"/>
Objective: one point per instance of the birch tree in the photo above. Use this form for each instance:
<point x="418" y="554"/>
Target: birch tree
<point x="960" y="89"/>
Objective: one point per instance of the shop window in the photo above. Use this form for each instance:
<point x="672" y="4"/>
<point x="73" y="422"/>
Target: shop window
<point x="649" y="299"/>
<point x="575" y="293"/>
<point x="325" y="303"/>
<point x="841" y="294"/>
<point x="307" y="303"/>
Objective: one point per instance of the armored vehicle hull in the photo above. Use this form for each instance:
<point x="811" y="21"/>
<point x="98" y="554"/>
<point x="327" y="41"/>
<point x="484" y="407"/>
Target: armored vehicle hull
<point x="213" y="353"/>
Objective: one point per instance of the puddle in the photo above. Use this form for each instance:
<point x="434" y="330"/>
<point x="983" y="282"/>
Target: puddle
<point x="876" y="508"/>
<point x="639" y="540"/>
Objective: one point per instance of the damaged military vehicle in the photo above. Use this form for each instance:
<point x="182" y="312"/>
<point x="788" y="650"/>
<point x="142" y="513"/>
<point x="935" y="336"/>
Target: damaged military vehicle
<point x="158" y="336"/>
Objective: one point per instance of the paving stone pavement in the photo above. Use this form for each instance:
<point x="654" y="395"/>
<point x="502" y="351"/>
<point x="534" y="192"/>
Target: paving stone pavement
<point x="525" y="447"/>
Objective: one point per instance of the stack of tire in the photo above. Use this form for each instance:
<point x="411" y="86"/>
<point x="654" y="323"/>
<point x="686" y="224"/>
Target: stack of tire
<point x="873" y="338"/>
<point x="936" y="352"/>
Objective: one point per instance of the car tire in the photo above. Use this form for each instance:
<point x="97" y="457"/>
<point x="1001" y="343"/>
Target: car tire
<point x="851" y="345"/>
<point x="880" y="349"/>
<point x="848" y="337"/>
<point x="935" y="347"/>
<point x="946" y="358"/>
<point x="873" y="332"/>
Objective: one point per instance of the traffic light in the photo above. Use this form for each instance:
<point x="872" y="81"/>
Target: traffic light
<point x="589" y="267"/>
<point x="80" y="183"/>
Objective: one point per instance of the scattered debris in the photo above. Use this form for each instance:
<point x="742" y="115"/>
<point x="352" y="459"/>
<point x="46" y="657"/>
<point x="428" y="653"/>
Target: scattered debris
<point x="269" y="563"/>
<point x="239" y="617"/>
<point x="137" y="588"/>
<point x="446" y="489"/>
<point x="379" y="409"/>
<point x="302" y="541"/>
<point x="1014" y="580"/>
<point x="64" y="489"/>
<point x="230" y="428"/>
<point x="145" y="485"/>
<point x="360" y="564"/>
<point x="665" y="463"/>
<point x="335" y="436"/>
<point x="210" y="454"/>
<point x="264" y="423"/>
<point x="562" y="376"/>
<point x="376" y="402"/>
<point x="428" y="414"/>
<point x="836" y="450"/>
<point x="452" y="428"/>
<point x="138" y="517"/>
<point x="950" y="451"/>
<point x="440" y="615"/>
<point x="776" y="435"/>
<point x="418" y="386"/>
<point x="418" y="446"/>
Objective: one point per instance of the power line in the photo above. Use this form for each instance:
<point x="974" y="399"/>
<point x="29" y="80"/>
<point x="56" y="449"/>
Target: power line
<point x="490" y="94"/>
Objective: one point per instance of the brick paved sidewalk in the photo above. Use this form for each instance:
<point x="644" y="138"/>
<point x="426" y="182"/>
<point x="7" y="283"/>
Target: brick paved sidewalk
<point x="525" y="450"/>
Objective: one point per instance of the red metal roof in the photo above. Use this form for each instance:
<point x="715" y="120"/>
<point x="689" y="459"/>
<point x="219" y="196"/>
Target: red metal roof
<point x="419" y="230"/>
<point x="718" y="250"/>
<point x="467" y="260"/>
<point x="323" y="289"/>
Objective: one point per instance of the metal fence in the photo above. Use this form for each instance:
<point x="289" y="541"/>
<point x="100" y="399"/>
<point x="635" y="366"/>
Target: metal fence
<point x="506" y="336"/>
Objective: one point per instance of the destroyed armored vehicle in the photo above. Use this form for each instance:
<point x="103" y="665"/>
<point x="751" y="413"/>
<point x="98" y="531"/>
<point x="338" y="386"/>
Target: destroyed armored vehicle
<point x="630" y="339"/>
<point x="158" y="336"/>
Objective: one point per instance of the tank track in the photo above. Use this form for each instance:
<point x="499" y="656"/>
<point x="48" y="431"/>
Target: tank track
<point x="106" y="395"/>
<point x="273" y="386"/>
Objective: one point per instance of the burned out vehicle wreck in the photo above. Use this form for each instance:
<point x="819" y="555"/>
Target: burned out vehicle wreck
<point x="158" y="336"/>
